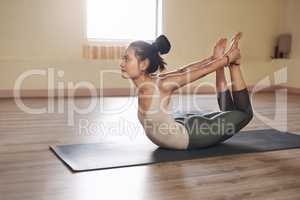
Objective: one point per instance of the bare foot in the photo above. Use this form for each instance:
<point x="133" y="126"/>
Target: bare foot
<point x="235" y="44"/>
<point x="234" y="51"/>
<point x="235" y="40"/>
<point x="219" y="48"/>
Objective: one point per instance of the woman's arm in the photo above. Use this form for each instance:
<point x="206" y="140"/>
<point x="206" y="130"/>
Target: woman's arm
<point x="190" y="67"/>
<point x="191" y="73"/>
<point x="202" y="62"/>
<point x="200" y="69"/>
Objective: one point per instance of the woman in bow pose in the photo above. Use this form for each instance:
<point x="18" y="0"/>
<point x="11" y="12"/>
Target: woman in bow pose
<point x="140" y="62"/>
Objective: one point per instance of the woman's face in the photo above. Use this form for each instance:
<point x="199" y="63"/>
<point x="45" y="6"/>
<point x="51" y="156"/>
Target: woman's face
<point x="130" y="66"/>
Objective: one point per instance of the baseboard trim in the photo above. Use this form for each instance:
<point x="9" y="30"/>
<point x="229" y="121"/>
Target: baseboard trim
<point x="115" y="92"/>
<point x="44" y="93"/>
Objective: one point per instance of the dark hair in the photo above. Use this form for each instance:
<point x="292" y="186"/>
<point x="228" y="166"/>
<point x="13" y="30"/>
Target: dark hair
<point x="144" y="50"/>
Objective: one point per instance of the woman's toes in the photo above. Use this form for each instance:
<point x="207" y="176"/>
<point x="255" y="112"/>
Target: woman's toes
<point x="224" y="43"/>
<point x="237" y="36"/>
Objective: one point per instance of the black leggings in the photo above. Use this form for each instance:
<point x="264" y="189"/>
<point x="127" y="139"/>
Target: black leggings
<point x="212" y="128"/>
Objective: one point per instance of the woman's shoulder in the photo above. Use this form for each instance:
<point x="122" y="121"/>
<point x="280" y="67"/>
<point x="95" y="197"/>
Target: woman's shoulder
<point x="157" y="82"/>
<point x="162" y="82"/>
<point x="160" y="75"/>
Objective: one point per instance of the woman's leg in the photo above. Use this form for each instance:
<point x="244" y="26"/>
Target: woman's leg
<point x="237" y="79"/>
<point x="240" y="93"/>
<point x="234" y="115"/>
<point x="205" y="132"/>
<point x="181" y="119"/>
<point x="224" y="97"/>
<point x="221" y="83"/>
<point x="241" y="98"/>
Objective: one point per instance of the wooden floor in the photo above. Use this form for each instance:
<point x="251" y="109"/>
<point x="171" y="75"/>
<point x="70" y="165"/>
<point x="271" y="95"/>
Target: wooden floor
<point x="28" y="170"/>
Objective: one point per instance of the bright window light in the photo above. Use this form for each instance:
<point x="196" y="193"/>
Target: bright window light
<point x="123" y="20"/>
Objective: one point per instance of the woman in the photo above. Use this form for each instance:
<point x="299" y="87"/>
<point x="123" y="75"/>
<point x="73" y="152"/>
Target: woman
<point x="140" y="62"/>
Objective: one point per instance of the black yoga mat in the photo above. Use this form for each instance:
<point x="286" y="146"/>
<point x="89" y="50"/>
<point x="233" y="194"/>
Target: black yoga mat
<point x="125" y="153"/>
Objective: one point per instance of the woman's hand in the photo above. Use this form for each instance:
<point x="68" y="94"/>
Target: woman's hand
<point x="219" y="48"/>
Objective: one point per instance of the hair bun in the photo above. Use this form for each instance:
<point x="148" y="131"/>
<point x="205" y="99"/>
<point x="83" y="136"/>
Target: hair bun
<point x="162" y="44"/>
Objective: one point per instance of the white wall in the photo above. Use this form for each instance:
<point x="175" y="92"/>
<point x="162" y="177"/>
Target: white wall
<point x="290" y="24"/>
<point x="38" y="34"/>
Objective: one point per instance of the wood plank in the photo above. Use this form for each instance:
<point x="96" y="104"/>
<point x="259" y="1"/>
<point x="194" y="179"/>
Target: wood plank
<point x="28" y="170"/>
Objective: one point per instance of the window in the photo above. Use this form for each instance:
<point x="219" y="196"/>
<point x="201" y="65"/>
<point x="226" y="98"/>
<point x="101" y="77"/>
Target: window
<point x="123" y="20"/>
